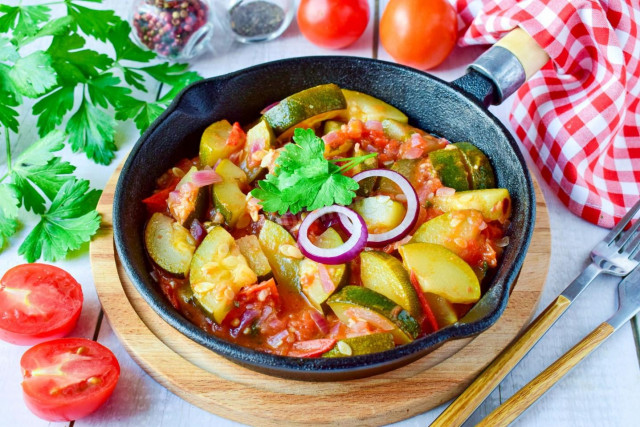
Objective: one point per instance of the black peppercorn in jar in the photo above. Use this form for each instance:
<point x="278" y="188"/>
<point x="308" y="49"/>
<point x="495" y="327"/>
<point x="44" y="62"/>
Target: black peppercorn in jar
<point x="259" y="20"/>
<point x="174" y="29"/>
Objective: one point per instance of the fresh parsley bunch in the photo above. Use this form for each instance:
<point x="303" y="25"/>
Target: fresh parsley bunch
<point x="304" y="179"/>
<point x="86" y="91"/>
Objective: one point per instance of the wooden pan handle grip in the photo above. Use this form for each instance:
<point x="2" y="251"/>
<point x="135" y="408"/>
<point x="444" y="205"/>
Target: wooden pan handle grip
<point x="477" y="392"/>
<point x="519" y="402"/>
<point x="526" y="49"/>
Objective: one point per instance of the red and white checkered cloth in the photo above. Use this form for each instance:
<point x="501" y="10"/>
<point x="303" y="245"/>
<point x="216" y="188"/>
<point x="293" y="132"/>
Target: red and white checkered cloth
<point x="579" y="117"/>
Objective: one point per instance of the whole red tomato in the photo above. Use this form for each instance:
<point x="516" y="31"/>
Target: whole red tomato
<point x="419" y="33"/>
<point x="333" y="24"/>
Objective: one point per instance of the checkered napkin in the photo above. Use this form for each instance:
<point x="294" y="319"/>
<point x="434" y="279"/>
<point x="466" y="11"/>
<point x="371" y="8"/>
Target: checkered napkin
<point x="579" y="117"/>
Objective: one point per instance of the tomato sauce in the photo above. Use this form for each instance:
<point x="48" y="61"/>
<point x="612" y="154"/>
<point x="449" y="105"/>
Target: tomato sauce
<point x="271" y="318"/>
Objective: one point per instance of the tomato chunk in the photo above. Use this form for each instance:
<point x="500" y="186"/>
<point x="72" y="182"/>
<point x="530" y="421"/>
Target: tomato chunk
<point x="38" y="302"/>
<point x="67" y="379"/>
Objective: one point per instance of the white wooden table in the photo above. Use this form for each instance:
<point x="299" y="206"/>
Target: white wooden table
<point x="602" y="391"/>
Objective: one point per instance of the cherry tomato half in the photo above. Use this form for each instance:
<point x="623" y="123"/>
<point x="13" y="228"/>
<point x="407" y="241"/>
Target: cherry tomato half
<point x="38" y="302"/>
<point x="333" y="24"/>
<point x="419" y="33"/>
<point x="67" y="379"/>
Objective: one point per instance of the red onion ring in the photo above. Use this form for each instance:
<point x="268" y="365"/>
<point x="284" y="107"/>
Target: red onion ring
<point x="343" y="253"/>
<point x="410" y="218"/>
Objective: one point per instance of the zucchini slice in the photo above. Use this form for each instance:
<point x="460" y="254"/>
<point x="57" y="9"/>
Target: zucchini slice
<point x="285" y="268"/>
<point x="169" y="244"/>
<point x="213" y="144"/>
<point x="365" y="344"/>
<point x="356" y="303"/>
<point x="480" y="170"/>
<point x="365" y="107"/>
<point x="230" y="201"/>
<point x="259" y="137"/>
<point x="250" y="248"/>
<point x="494" y="203"/>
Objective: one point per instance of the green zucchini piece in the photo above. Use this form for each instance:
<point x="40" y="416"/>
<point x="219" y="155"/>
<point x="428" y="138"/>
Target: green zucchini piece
<point x="218" y="271"/>
<point x="310" y="277"/>
<point x="250" y="248"/>
<point x="359" y="303"/>
<point x="385" y="274"/>
<point x="380" y="213"/>
<point x="365" y="344"/>
<point x="261" y="135"/>
<point x="365" y="107"/>
<point x="441" y="272"/>
<point x="192" y="202"/>
<point x="451" y="167"/>
<point x="230" y="201"/>
<point x="169" y="244"/>
<point x="213" y="144"/>
<point x="285" y="268"/>
<point x="478" y="165"/>
<point x="408" y="168"/>
<point x="304" y="105"/>
<point x="494" y="203"/>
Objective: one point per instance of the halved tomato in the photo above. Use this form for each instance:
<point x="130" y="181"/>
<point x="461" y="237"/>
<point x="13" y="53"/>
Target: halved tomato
<point x="67" y="379"/>
<point x="38" y="302"/>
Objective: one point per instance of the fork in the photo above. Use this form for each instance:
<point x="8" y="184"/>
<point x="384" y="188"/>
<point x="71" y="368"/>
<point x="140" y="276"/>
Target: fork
<point x="614" y="255"/>
<point x="629" y="306"/>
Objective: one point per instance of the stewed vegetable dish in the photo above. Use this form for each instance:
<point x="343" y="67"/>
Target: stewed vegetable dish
<point x="328" y="227"/>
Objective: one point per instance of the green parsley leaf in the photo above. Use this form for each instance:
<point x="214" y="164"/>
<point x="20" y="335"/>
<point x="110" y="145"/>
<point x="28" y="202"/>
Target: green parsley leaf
<point x="28" y="19"/>
<point x="304" y="179"/>
<point x="8" y="201"/>
<point x="51" y="108"/>
<point x="37" y="167"/>
<point x="33" y="75"/>
<point x="70" y="221"/>
<point x="134" y="78"/>
<point x="8" y="52"/>
<point x="8" y="227"/>
<point x="96" y="23"/>
<point x="74" y="65"/>
<point x="104" y="90"/>
<point x="57" y="27"/>
<point x="124" y="47"/>
<point x="92" y="130"/>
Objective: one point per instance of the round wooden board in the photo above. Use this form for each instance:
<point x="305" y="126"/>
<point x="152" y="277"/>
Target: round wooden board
<point x="219" y="386"/>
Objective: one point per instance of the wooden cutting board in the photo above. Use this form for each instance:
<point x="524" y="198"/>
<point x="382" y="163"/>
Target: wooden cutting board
<point x="219" y="386"/>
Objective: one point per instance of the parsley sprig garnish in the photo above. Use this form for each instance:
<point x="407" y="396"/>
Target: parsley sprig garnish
<point x="79" y="94"/>
<point x="304" y="179"/>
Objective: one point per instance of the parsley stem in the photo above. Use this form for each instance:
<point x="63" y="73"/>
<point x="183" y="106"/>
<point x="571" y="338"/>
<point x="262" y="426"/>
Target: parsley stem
<point x="8" y="147"/>
<point x="354" y="161"/>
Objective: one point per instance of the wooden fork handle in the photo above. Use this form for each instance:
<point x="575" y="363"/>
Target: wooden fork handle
<point x="477" y="392"/>
<point x="526" y="396"/>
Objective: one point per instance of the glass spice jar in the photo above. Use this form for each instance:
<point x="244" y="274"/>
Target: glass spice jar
<point x="253" y="21"/>
<point x="178" y="29"/>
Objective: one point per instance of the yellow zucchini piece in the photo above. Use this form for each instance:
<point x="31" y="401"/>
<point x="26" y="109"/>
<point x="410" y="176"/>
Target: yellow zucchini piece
<point x="365" y="107"/>
<point x="276" y="243"/>
<point x="442" y="310"/>
<point x="169" y="244"/>
<point x="454" y="230"/>
<point x="192" y="202"/>
<point x="380" y="213"/>
<point x="218" y="271"/>
<point x="385" y="274"/>
<point x="250" y="248"/>
<point x="480" y="169"/>
<point x="441" y="272"/>
<point x="213" y="144"/>
<point x="494" y="203"/>
<point x="261" y="135"/>
<point x="310" y="276"/>
<point x="230" y="201"/>
<point x="310" y="123"/>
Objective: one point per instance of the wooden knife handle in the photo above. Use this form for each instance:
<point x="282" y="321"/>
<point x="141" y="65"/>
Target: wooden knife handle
<point x="526" y="49"/>
<point x="477" y="392"/>
<point x="519" y="402"/>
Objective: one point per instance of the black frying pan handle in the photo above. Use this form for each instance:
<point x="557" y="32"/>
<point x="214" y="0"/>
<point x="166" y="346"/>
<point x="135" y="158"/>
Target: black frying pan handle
<point x="502" y="69"/>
